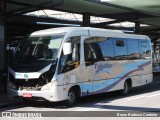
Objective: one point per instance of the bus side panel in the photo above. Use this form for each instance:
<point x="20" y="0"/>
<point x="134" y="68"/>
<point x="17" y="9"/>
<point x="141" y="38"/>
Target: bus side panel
<point x="146" y="74"/>
<point x="146" y="79"/>
<point x="102" y="86"/>
<point x="106" y="76"/>
<point x="136" y="80"/>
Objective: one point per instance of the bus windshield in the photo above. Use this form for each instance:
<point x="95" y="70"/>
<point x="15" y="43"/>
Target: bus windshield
<point x="36" y="49"/>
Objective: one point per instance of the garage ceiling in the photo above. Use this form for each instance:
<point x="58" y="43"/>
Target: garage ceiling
<point x="145" y="11"/>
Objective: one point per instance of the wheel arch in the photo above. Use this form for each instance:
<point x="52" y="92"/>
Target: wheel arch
<point x="76" y="89"/>
<point x="129" y="81"/>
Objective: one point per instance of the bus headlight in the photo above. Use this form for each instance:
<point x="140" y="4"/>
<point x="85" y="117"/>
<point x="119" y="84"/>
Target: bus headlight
<point x="49" y="85"/>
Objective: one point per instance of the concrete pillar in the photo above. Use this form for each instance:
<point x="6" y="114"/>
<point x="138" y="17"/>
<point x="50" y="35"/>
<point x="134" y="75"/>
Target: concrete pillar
<point x="2" y="46"/>
<point x="137" y="27"/>
<point x="2" y="43"/>
<point x="86" y="20"/>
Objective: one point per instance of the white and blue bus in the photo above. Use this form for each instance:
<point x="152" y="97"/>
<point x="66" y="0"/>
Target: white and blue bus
<point x="62" y="64"/>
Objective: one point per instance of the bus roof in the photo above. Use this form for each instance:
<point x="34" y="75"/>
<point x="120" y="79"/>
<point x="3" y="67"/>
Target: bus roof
<point x="70" y="29"/>
<point x="87" y="30"/>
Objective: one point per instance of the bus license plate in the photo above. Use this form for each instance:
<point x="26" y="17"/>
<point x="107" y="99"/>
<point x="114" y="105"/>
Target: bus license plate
<point x="29" y="95"/>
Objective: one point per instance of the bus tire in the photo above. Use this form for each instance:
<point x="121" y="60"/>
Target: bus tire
<point x="126" y="88"/>
<point x="71" y="99"/>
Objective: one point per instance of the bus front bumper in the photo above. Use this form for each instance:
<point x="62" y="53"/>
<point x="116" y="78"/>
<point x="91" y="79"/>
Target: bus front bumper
<point x="53" y="95"/>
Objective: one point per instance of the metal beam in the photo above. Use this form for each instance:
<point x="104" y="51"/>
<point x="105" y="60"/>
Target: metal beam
<point x="154" y="33"/>
<point x="109" y="22"/>
<point x="18" y="3"/>
<point x="33" y="19"/>
<point x="28" y="8"/>
<point x="116" y="28"/>
<point x="126" y="15"/>
<point x="137" y="27"/>
<point x="152" y="29"/>
<point x="45" y="5"/>
<point x="86" y="20"/>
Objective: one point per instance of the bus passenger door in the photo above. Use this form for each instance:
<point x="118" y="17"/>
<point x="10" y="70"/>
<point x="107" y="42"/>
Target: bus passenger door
<point x="74" y="69"/>
<point x="86" y="70"/>
<point x="86" y="73"/>
<point x="97" y="64"/>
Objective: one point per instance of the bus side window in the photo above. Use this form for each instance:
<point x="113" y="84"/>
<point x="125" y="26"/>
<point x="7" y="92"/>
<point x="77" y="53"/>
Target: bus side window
<point x="145" y="49"/>
<point x="120" y="43"/>
<point x="89" y="54"/>
<point x="92" y="50"/>
<point x="133" y="49"/>
<point x="98" y="49"/>
<point x="120" y="48"/>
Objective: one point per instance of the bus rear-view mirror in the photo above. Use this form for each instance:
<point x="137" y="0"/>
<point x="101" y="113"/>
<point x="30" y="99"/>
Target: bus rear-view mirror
<point x="67" y="48"/>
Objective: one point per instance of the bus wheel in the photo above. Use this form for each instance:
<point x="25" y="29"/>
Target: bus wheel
<point x="126" y="88"/>
<point x="71" y="100"/>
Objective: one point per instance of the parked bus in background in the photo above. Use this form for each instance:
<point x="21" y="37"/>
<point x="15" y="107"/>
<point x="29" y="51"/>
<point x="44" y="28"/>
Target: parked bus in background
<point x="62" y="64"/>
